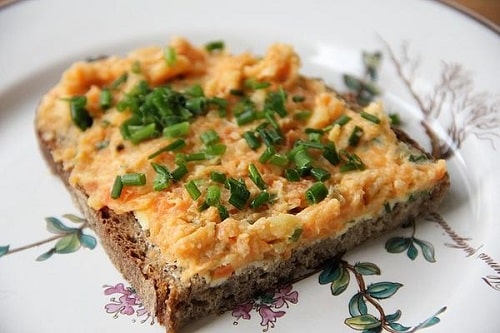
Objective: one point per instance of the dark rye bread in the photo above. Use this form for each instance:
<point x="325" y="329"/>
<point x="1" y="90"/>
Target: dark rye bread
<point x="174" y="303"/>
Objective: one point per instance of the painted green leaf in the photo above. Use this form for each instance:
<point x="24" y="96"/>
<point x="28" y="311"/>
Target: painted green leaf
<point x="429" y="322"/>
<point x="394" y="316"/>
<point x="340" y="284"/>
<point x="75" y="219"/>
<point x="352" y="82"/>
<point x="363" y="322"/>
<point x="427" y="250"/>
<point x="4" y="250"/>
<point x="88" y="241"/>
<point x="330" y="273"/>
<point x="357" y="305"/>
<point x="412" y="252"/>
<point x="397" y="244"/>
<point x="68" y="244"/>
<point x="398" y="327"/>
<point x="55" y="226"/>
<point x="381" y="290"/>
<point x="46" y="255"/>
<point x="367" y="268"/>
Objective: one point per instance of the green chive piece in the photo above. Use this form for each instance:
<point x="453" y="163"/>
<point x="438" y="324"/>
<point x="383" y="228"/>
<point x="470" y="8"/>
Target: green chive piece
<point x="216" y="45"/>
<point x="261" y="199"/>
<point x="136" y="67"/>
<point x="395" y="119"/>
<point x="279" y="160"/>
<point x="302" y="115"/>
<point x="162" y="178"/>
<point x="170" y="55"/>
<point x="296" y="235"/>
<point x="251" y="139"/>
<point x="209" y="137"/>
<point x="246" y="117"/>
<point x="342" y="120"/>
<point x="106" y="99"/>
<point x="370" y="117"/>
<point x="175" y="145"/>
<point x="352" y="162"/>
<point x="298" y="98"/>
<point x="218" y="177"/>
<point x="176" y="130"/>
<point x="221" y="105"/>
<point x="330" y="153"/>
<point x="387" y="207"/>
<point x="119" y="81"/>
<point x="79" y="114"/>
<point x="355" y="136"/>
<point x="117" y="188"/>
<point x="216" y="150"/>
<point x="142" y="133"/>
<point x="256" y="177"/>
<point x="316" y="193"/>
<point x="196" y="105"/>
<point x="195" y="90"/>
<point x="267" y="154"/>
<point x="199" y="156"/>
<point x="320" y="174"/>
<point x="223" y="213"/>
<point x="239" y="193"/>
<point x="275" y="101"/>
<point x="179" y="172"/>
<point x="255" y="85"/>
<point x="237" y="92"/>
<point x="302" y="158"/>
<point x="292" y="175"/>
<point x="192" y="190"/>
<point x="133" y="179"/>
<point x="213" y="195"/>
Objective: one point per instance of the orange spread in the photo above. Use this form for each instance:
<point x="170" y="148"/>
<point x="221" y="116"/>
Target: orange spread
<point x="198" y="241"/>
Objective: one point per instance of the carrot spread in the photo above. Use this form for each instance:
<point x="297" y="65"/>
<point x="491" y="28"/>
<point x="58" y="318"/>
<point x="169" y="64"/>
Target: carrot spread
<point x="227" y="160"/>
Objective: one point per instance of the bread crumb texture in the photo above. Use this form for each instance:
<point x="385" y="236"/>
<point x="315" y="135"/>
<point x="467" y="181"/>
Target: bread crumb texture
<point x="201" y="241"/>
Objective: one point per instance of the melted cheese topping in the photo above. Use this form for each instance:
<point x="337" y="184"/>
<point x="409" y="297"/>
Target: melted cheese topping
<point x="199" y="242"/>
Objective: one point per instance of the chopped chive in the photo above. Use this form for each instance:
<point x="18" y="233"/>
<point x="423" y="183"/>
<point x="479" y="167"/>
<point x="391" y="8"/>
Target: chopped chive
<point x="310" y="144"/>
<point x="355" y="136"/>
<point x="271" y="136"/>
<point x="175" y="145"/>
<point x="216" y="45"/>
<point x="275" y="101"/>
<point x="136" y="67"/>
<point x="162" y="178"/>
<point x="261" y="199"/>
<point x="119" y="81"/>
<point x="353" y="162"/>
<point x="302" y="158"/>
<point x="179" y="172"/>
<point x="330" y="153"/>
<point x="213" y="195"/>
<point x="316" y="193"/>
<point x="255" y="85"/>
<point x="199" y="156"/>
<point x="196" y="104"/>
<point x="223" y="213"/>
<point x="218" y="177"/>
<point x="292" y="175"/>
<point x="106" y="99"/>
<point x="370" y="117"/>
<point x="79" y="114"/>
<point x="143" y="133"/>
<point x="176" y="130"/>
<point x="209" y="137"/>
<point x="344" y="119"/>
<point x="387" y="207"/>
<point x="270" y="117"/>
<point x="267" y="154"/>
<point x="395" y="119"/>
<point x="239" y="193"/>
<point x="279" y="160"/>
<point x="256" y="177"/>
<point x="221" y="105"/>
<point x="192" y="190"/>
<point x="251" y="139"/>
<point x="296" y="235"/>
<point x="302" y="115"/>
<point x="170" y="55"/>
<point x="298" y="98"/>
<point x="195" y="91"/>
<point x="246" y="117"/>
<point x="117" y="188"/>
<point x="320" y="174"/>
<point x="133" y="179"/>
<point x="216" y="150"/>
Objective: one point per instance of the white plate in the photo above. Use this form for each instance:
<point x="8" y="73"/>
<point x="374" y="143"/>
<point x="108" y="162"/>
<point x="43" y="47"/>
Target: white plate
<point x="66" y="293"/>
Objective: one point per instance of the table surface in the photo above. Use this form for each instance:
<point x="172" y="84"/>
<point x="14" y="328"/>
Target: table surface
<point x="486" y="9"/>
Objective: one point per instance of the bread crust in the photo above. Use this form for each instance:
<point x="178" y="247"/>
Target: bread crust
<point x="175" y="303"/>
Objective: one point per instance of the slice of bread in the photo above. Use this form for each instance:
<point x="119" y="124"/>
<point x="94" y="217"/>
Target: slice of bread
<point x="186" y="255"/>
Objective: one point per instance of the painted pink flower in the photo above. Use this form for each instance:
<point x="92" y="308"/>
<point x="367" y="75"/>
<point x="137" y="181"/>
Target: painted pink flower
<point x="118" y="289"/>
<point x="124" y="305"/>
<point x="242" y="311"/>
<point x="285" y="295"/>
<point x="269" y="316"/>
